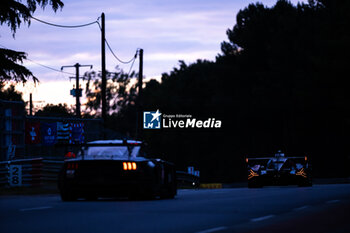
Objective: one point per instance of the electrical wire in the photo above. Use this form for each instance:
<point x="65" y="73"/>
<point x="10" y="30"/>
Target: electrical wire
<point x="48" y="67"/>
<point x="65" y="26"/>
<point x="132" y="64"/>
<point x="112" y="52"/>
<point x="132" y="60"/>
<point x="45" y="66"/>
<point x="116" y="57"/>
<point x="84" y="25"/>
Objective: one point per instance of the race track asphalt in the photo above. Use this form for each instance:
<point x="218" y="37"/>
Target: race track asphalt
<point x="321" y="208"/>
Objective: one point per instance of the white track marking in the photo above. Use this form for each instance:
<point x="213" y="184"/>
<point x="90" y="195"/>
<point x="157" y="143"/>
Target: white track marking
<point x="262" y="218"/>
<point x="37" y="208"/>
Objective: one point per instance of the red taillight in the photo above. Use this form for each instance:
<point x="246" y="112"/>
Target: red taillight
<point x="70" y="155"/>
<point x="72" y="166"/>
<point x="127" y="166"/>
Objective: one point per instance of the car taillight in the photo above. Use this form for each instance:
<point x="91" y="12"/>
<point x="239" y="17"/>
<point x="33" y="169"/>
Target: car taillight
<point x="71" y="169"/>
<point x="72" y="166"/>
<point x="70" y="155"/>
<point x="302" y="173"/>
<point x="252" y="174"/>
<point x="128" y="166"/>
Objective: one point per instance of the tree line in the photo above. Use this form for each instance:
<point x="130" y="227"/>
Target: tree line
<point x="279" y="83"/>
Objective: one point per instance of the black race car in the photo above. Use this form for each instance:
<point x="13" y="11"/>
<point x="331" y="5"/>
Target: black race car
<point x="113" y="168"/>
<point x="278" y="170"/>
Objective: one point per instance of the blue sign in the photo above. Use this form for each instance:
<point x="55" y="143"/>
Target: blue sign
<point x="48" y="133"/>
<point x="77" y="133"/>
<point x="151" y="120"/>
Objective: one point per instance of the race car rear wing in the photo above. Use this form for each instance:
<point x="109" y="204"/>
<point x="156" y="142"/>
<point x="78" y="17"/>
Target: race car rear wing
<point x="263" y="158"/>
<point x="100" y="145"/>
<point x="264" y="161"/>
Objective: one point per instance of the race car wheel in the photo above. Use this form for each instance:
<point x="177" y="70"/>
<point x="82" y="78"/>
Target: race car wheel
<point x="170" y="193"/>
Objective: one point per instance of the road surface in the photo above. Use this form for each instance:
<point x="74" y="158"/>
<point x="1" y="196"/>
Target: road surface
<point x="321" y="208"/>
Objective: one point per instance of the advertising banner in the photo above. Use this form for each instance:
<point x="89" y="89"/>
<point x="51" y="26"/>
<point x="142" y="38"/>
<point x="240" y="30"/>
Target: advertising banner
<point x="49" y="133"/>
<point x="63" y="130"/>
<point x="32" y="132"/>
<point x="77" y="133"/>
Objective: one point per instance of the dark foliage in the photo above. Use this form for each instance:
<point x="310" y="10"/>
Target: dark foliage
<point x="280" y="83"/>
<point x="10" y="93"/>
<point x="10" y="67"/>
<point x="52" y="110"/>
<point x="14" y="13"/>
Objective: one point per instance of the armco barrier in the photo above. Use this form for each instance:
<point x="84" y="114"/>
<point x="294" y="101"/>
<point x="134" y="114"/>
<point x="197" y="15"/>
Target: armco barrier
<point x="50" y="170"/>
<point x="34" y="172"/>
<point x="43" y="171"/>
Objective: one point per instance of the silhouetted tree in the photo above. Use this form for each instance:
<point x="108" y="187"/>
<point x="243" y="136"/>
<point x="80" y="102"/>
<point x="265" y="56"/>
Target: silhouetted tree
<point x="119" y="91"/>
<point x="53" y="110"/>
<point x="279" y="83"/>
<point x="14" y="13"/>
<point x="10" y="93"/>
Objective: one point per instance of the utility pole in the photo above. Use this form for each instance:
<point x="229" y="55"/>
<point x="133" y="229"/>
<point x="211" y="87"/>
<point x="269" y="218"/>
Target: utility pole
<point x="77" y="93"/>
<point x="140" y="76"/>
<point x="103" y="65"/>
<point x="139" y="98"/>
<point x="30" y="105"/>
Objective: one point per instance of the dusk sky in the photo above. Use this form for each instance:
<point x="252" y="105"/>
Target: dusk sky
<point x="168" y="31"/>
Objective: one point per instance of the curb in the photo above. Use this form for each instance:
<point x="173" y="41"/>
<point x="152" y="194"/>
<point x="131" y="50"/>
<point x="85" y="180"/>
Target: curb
<point x="211" y="186"/>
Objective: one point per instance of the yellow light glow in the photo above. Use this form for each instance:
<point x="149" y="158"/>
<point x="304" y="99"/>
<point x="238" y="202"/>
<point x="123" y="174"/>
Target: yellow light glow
<point x="129" y="166"/>
<point x="133" y="166"/>
<point x="252" y="174"/>
<point x="125" y="166"/>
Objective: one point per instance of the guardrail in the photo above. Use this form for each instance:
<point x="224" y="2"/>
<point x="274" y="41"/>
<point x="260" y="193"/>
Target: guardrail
<point x="43" y="171"/>
<point x="29" y="172"/>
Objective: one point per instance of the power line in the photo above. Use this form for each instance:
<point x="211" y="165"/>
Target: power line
<point x="65" y="26"/>
<point x="84" y="25"/>
<point x="50" y="68"/>
<point x="114" y="55"/>
<point x="121" y="61"/>
<point x="132" y="64"/>
<point x="45" y="66"/>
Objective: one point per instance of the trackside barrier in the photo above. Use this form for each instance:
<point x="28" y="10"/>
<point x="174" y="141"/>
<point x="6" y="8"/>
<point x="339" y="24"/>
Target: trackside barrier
<point x="29" y="172"/>
<point x="211" y="186"/>
<point x="43" y="171"/>
<point x="50" y="170"/>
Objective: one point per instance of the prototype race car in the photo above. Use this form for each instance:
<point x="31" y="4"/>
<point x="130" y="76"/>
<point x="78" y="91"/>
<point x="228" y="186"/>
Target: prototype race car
<point x="112" y="168"/>
<point x="278" y="170"/>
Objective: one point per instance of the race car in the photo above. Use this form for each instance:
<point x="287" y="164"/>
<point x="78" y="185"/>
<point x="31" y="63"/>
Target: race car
<point x="115" y="168"/>
<point x="278" y="170"/>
